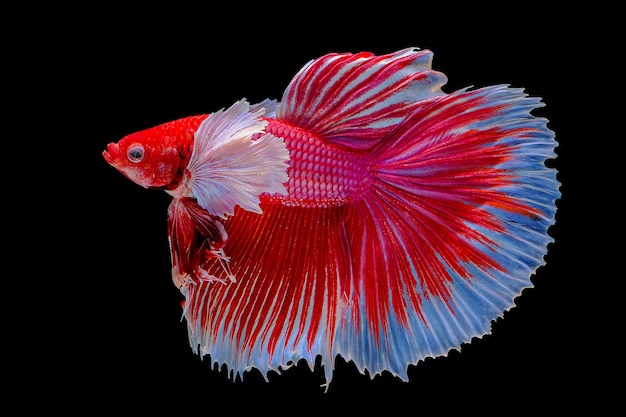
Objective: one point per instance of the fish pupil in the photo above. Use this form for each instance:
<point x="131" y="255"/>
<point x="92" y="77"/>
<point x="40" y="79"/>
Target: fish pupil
<point x="135" y="153"/>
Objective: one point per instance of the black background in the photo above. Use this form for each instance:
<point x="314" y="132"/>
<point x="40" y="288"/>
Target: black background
<point x="107" y="331"/>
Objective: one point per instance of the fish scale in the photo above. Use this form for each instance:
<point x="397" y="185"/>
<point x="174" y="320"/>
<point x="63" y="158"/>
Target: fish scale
<point x="320" y="174"/>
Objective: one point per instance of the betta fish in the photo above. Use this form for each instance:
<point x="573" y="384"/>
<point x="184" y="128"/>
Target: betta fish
<point x="366" y="214"/>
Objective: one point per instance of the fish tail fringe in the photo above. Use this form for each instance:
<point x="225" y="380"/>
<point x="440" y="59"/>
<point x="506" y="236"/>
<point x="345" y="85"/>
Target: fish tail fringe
<point x="460" y="208"/>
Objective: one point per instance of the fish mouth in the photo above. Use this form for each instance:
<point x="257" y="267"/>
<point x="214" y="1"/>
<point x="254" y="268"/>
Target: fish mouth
<point x="111" y="154"/>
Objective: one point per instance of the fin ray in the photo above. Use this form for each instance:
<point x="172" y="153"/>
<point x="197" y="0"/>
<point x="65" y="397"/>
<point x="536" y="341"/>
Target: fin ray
<point x="354" y="100"/>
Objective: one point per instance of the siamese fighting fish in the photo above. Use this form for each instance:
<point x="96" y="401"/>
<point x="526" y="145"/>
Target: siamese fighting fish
<point x="365" y="214"/>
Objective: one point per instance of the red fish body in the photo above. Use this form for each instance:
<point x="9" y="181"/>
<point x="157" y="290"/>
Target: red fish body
<point x="367" y="214"/>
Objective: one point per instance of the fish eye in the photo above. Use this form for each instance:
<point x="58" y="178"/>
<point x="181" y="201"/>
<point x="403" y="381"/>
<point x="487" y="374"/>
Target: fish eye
<point x="135" y="153"/>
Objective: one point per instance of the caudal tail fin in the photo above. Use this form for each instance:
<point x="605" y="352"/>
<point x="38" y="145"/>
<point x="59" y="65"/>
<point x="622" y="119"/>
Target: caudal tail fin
<point x="459" y="210"/>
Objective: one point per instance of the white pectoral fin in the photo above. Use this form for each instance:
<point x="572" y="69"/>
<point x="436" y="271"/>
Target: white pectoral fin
<point x="228" y="167"/>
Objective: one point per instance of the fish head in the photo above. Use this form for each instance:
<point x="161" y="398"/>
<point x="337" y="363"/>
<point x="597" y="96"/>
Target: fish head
<point x="152" y="158"/>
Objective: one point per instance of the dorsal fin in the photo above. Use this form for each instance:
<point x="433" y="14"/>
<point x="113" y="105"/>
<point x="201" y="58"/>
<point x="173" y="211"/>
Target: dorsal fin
<point x="353" y="100"/>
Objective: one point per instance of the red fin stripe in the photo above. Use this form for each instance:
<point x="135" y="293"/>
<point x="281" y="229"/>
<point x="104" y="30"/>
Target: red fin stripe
<point x="355" y="100"/>
<point x="291" y="287"/>
<point x="254" y="317"/>
<point x="351" y="91"/>
<point x="433" y="149"/>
